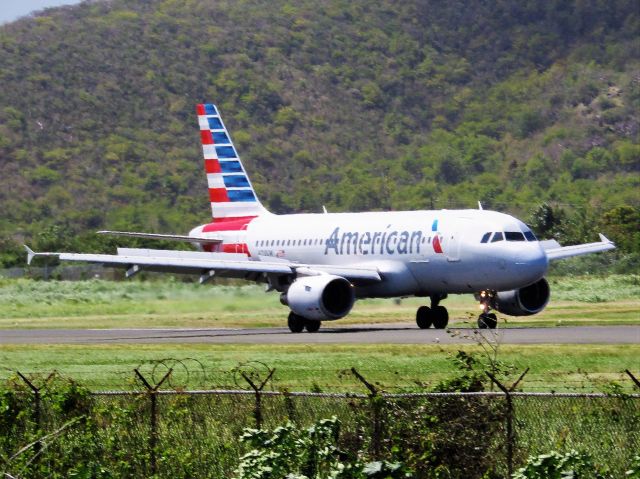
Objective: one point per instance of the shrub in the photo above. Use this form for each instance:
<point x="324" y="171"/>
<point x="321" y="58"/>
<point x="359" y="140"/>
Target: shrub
<point x="554" y="465"/>
<point x="289" y="452"/>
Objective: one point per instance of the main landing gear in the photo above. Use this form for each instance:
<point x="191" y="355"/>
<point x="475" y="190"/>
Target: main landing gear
<point x="297" y="323"/>
<point x="436" y="315"/>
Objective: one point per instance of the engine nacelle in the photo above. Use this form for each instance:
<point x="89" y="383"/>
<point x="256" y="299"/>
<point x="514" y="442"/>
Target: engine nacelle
<point x="322" y="297"/>
<point x="524" y="301"/>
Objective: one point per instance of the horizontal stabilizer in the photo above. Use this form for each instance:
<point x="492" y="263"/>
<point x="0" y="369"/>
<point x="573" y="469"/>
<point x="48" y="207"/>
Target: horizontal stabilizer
<point x="156" y="236"/>
<point x="568" y="251"/>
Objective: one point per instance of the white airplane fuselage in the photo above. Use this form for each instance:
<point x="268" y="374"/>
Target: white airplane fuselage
<point x="417" y="252"/>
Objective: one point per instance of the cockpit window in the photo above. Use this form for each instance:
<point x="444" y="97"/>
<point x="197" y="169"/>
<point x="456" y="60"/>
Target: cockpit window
<point x="497" y="237"/>
<point x="530" y="236"/>
<point x="514" y="236"/>
<point x="485" y="238"/>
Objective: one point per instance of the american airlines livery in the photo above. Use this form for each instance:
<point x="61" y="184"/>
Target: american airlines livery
<point x="321" y="263"/>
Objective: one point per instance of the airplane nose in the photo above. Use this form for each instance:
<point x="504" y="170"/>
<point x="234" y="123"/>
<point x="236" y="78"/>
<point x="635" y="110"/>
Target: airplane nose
<point x="532" y="261"/>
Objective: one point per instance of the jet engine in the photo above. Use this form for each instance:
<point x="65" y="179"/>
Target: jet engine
<point x="524" y="301"/>
<point x="322" y="297"/>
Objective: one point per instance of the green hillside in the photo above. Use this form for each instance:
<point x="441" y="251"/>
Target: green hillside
<point x="530" y="107"/>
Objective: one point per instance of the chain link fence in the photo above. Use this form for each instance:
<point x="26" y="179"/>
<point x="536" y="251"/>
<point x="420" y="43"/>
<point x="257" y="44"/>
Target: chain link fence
<point x="177" y="433"/>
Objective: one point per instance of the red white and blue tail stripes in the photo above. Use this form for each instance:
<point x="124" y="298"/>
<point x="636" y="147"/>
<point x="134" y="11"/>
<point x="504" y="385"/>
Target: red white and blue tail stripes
<point x="230" y="190"/>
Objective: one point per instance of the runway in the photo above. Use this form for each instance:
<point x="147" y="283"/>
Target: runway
<point x="360" y="334"/>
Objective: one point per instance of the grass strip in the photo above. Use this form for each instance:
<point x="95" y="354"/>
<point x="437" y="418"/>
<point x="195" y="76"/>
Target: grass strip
<point x="323" y="367"/>
<point x="170" y="303"/>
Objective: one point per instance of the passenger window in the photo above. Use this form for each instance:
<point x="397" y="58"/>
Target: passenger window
<point x="485" y="238"/>
<point x="497" y="237"/>
<point x="514" y="236"/>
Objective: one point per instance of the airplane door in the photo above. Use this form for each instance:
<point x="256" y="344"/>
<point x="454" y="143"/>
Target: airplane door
<point x="452" y="246"/>
<point x="452" y="240"/>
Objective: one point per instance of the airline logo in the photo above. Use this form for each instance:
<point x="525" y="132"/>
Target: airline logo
<point x="388" y="241"/>
<point x="373" y="242"/>
<point x="436" y="243"/>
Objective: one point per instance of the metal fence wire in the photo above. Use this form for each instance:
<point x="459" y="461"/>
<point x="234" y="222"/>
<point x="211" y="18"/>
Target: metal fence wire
<point x="608" y="427"/>
<point x="54" y="428"/>
<point x="196" y="433"/>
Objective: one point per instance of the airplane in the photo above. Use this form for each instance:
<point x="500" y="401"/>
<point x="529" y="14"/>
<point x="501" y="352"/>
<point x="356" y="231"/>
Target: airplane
<point x="321" y="263"/>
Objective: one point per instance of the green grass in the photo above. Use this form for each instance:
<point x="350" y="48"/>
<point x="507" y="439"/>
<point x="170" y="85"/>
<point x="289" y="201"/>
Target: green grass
<point x="170" y="303"/>
<point x="322" y="367"/>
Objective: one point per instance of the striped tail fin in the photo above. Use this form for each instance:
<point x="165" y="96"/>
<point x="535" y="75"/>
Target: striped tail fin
<point x="230" y="191"/>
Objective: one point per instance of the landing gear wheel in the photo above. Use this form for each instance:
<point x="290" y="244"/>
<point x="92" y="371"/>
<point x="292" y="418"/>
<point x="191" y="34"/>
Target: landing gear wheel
<point x="487" y="320"/>
<point x="440" y="317"/>
<point x="311" y="326"/>
<point x="423" y="317"/>
<point x="295" y="322"/>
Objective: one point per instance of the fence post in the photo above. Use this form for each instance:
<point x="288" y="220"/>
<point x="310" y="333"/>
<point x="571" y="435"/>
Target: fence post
<point x="376" y="409"/>
<point x="37" y="415"/>
<point x="257" y="389"/>
<point x="152" y="391"/>
<point x="36" y="402"/>
<point x="290" y="406"/>
<point x="633" y="378"/>
<point x="511" y="437"/>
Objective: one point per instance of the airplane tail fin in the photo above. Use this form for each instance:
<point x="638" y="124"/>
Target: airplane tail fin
<point x="230" y="192"/>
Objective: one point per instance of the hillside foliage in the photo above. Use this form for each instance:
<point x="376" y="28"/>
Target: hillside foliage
<point x="530" y="107"/>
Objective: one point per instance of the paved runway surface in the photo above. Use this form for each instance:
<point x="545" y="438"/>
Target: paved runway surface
<point x="364" y="334"/>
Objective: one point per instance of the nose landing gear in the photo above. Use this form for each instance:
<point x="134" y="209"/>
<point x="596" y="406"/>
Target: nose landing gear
<point x="486" y="320"/>
<point x="436" y="315"/>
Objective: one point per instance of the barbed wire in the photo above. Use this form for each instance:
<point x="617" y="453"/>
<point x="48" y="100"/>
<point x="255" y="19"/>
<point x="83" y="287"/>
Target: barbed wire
<point x="354" y="395"/>
<point x="192" y="373"/>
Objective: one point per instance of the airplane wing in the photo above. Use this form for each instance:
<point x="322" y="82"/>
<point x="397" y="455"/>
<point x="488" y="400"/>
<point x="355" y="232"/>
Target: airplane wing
<point x="155" y="236"/>
<point x="233" y="265"/>
<point x="555" y="251"/>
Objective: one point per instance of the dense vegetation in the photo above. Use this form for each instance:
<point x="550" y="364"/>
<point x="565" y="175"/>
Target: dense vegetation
<point x="530" y="107"/>
<point x="69" y="432"/>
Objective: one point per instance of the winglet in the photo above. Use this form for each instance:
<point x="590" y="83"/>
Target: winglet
<point x="604" y="239"/>
<point x="30" y="254"/>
